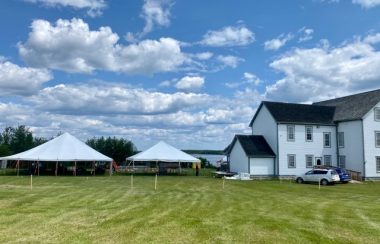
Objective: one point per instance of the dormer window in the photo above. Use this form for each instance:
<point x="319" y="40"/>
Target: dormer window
<point x="377" y="114"/>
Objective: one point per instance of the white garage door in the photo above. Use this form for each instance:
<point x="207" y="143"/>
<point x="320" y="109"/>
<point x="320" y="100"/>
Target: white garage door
<point x="261" y="166"/>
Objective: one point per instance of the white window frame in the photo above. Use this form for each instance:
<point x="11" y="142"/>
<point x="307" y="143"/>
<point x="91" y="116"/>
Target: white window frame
<point x="324" y="141"/>
<point x="341" y="139"/>
<point x="377" y="164"/>
<point x="324" y="160"/>
<point x="340" y="161"/>
<point x="294" y="161"/>
<point x="312" y="160"/>
<point x="376" y="116"/>
<point x="377" y="138"/>
<point x="311" y="133"/>
<point x="294" y="132"/>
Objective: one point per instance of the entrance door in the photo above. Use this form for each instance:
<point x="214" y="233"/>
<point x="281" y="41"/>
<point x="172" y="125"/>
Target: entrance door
<point x="318" y="161"/>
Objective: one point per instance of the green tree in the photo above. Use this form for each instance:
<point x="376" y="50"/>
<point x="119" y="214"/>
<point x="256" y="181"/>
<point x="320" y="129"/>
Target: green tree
<point x="117" y="148"/>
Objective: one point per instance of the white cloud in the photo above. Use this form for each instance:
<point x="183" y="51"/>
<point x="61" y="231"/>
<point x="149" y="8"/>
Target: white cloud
<point x="306" y="34"/>
<point x="247" y="79"/>
<point x="155" y="13"/>
<point x="228" y="36"/>
<point x="190" y="83"/>
<point x="16" y="80"/>
<point x="278" y="42"/>
<point x="94" y="7"/>
<point x="326" y="72"/>
<point x="367" y="3"/>
<point x="204" y="55"/>
<point x="229" y="60"/>
<point x="71" y="46"/>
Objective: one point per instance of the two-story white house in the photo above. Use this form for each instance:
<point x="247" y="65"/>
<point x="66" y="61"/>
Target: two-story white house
<point x="341" y="132"/>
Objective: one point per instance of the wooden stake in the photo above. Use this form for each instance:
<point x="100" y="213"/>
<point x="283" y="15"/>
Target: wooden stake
<point x="319" y="184"/>
<point x="132" y="181"/>
<point x="31" y="182"/>
<point x="155" y="183"/>
<point x="223" y="181"/>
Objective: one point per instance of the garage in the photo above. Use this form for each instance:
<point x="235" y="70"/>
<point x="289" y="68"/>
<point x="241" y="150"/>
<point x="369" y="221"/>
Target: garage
<point x="261" y="166"/>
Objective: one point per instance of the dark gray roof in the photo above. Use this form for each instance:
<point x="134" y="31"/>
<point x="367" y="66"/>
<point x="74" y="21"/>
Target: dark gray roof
<point x="253" y="146"/>
<point x="298" y="113"/>
<point x="353" y="107"/>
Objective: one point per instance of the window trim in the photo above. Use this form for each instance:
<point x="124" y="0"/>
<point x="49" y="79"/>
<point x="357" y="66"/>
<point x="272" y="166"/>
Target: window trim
<point x="339" y="161"/>
<point x="324" y="145"/>
<point x="324" y="160"/>
<point x="376" y="109"/>
<point x="341" y="145"/>
<point x="294" y="132"/>
<point x="377" y="164"/>
<point x="306" y="127"/>
<point x="376" y="132"/>
<point x="312" y="160"/>
<point x="295" y="163"/>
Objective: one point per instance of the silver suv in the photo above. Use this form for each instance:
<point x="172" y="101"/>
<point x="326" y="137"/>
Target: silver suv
<point x="324" y="176"/>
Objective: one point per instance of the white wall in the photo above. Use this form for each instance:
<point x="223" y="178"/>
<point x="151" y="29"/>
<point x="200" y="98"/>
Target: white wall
<point x="266" y="126"/>
<point x="353" y="144"/>
<point x="370" y="149"/>
<point x="238" y="159"/>
<point x="261" y="166"/>
<point x="300" y="147"/>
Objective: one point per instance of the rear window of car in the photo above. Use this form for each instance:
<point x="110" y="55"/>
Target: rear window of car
<point x="333" y="172"/>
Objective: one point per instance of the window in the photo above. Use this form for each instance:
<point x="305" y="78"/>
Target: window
<point x="377" y="138"/>
<point x="291" y="160"/>
<point x="342" y="161"/>
<point x="291" y="135"/>
<point x="378" y="164"/>
<point x="309" y="161"/>
<point x="327" y="160"/>
<point x="326" y="139"/>
<point x="309" y="133"/>
<point x="340" y="139"/>
<point x="377" y="114"/>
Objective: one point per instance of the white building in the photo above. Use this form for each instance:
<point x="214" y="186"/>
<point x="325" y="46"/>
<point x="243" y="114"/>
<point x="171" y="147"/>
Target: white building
<point x="341" y="132"/>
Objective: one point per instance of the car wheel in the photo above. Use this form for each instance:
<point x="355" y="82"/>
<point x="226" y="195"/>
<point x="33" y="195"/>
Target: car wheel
<point x="299" y="180"/>
<point x="324" y="182"/>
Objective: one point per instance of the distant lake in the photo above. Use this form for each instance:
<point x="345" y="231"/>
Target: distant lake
<point x="212" y="158"/>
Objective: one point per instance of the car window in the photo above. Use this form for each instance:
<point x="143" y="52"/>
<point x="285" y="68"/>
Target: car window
<point x="333" y="172"/>
<point x="320" y="172"/>
<point x="309" y="173"/>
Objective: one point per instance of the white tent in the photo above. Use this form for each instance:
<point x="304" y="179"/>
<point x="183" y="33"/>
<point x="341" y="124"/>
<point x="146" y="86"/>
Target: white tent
<point x="64" y="148"/>
<point x="163" y="152"/>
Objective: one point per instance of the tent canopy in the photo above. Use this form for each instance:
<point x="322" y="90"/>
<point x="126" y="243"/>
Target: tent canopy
<point x="163" y="152"/>
<point x="62" y="148"/>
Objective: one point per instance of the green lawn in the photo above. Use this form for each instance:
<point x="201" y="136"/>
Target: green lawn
<point x="185" y="209"/>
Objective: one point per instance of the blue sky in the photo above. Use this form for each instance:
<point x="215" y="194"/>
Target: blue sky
<point x="191" y="73"/>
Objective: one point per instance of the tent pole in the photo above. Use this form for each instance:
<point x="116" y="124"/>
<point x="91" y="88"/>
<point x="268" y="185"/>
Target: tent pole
<point x="38" y="168"/>
<point x="180" y="169"/>
<point x="18" y="167"/>
<point x="93" y="167"/>
<point x="75" y="169"/>
<point x="56" y="168"/>
<point x="111" y="168"/>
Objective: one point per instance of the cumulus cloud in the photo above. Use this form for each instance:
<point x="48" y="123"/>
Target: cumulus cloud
<point x="326" y="72"/>
<point x="94" y="7"/>
<point x="306" y="34"/>
<point x="16" y="80"/>
<point x="229" y="60"/>
<point x="367" y="3"/>
<point x="228" y="36"/>
<point x="247" y="79"/>
<point x="71" y="46"/>
<point x="190" y="83"/>
<point x="277" y="43"/>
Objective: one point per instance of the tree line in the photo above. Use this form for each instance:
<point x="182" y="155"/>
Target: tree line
<point x="20" y="138"/>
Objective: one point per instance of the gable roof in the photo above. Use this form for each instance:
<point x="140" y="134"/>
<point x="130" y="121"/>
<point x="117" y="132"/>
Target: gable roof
<point x="253" y="146"/>
<point x="353" y="107"/>
<point x="298" y="113"/>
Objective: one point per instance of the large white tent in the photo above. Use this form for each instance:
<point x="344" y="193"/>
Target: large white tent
<point x="64" y="148"/>
<point x="163" y="152"/>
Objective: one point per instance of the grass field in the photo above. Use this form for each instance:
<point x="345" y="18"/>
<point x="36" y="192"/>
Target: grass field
<point x="185" y="209"/>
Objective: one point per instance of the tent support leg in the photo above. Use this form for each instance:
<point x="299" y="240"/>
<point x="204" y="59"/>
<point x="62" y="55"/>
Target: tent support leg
<point x="93" y="167"/>
<point x="75" y="169"/>
<point x="38" y="168"/>
<point x="111" y="168"/>
<point x="180" y="169"/>
<point x="18" y="167"/>
<point x="56" y="168"/>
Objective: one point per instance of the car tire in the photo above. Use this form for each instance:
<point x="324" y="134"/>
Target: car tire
<point x="299" y="180"/>
<point x="324" y="182"/>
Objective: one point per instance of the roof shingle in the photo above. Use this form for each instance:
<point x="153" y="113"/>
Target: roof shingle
<point x="253" y="146"/>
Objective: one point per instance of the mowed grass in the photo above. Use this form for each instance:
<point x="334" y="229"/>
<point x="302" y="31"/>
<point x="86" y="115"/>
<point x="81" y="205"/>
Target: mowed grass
<point x="185" y="209"/>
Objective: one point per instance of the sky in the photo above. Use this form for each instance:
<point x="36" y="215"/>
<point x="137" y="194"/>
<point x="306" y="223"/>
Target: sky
<point x="191" y="73"/>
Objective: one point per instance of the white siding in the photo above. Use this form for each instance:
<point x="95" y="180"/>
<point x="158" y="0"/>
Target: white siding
<point x="261" y="166"/>
<point x="353" y="144"/>
<point x="238" y="159"/>
<point x="300" y="147"/>
<point x="370" y="150"/>
<point x="266" y="126"/>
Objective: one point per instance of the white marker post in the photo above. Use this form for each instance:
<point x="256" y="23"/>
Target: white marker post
<point x="319" y="184"/>
<point x="224" y="179"/>
<point x="155" y="183"/>
<point x="131" y="181"/>
<point x="31" y="182"/>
